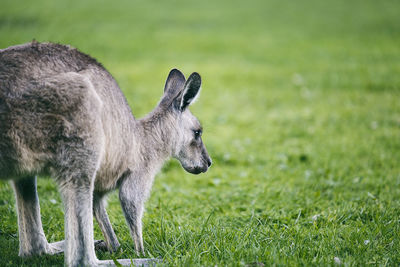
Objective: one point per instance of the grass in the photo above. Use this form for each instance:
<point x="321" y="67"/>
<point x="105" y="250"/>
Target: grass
<point x="300" y="106"/>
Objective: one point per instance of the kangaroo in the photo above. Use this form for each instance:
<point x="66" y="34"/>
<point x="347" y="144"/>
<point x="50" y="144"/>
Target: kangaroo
<point x="63" y="115"/>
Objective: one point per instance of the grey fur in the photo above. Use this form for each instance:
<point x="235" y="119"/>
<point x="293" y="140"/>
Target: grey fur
<point x="62" y="114"/>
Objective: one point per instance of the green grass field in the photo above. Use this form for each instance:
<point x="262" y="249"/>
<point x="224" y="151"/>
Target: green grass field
<point x="301" y="113"/>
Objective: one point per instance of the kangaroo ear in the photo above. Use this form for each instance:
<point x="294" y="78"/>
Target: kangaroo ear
<point x="174" y="82"/>
<point x="191" y="90"/>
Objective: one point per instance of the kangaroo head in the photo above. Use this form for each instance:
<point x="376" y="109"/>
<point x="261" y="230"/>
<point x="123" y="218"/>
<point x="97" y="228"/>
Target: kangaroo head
<point x="188" y="146"/>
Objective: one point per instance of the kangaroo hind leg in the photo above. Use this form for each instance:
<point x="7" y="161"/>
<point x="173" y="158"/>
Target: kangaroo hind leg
<point x="32" y="240"/>
<point x="76" y="192"/>
<point x="101" y="216"/>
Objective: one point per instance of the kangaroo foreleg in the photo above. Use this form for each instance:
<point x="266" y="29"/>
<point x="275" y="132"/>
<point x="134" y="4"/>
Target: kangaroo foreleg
<point x="133" y="193"/>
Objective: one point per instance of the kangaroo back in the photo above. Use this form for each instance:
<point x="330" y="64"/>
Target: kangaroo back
<point x="52" y="94"/>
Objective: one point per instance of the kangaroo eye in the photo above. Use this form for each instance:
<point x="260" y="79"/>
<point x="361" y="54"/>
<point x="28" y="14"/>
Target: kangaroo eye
<point x="197" y="133"/>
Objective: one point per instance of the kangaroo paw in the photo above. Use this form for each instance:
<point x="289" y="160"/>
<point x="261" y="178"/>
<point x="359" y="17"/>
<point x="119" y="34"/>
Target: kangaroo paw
<point x="144" y="262"/>
<point x="100" y="245"/>
<point x="58" y="247"/>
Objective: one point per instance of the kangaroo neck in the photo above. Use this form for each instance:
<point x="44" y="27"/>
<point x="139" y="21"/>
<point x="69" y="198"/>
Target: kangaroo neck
<point x="154" y="136"/>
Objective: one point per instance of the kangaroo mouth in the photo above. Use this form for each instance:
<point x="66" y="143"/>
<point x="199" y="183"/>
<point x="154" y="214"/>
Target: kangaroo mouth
<point x="196" y="170"/>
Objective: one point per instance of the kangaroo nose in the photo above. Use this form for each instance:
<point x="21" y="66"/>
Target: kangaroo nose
<point x="209" y="162"/>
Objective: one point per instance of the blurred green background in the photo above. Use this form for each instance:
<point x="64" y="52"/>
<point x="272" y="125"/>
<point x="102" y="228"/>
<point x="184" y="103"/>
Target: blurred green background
<point x="301" y="114"/>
